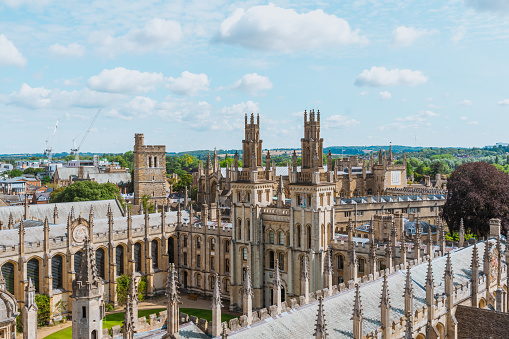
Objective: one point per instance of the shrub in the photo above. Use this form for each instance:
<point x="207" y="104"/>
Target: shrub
<point x="123" y="288"/>
<point x="43" y="313"/>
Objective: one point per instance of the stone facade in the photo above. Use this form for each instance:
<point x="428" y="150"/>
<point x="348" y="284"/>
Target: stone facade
<point x="149" y="171"/>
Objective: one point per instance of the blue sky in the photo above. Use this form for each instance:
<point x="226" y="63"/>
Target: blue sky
<point x="425" y="73"/>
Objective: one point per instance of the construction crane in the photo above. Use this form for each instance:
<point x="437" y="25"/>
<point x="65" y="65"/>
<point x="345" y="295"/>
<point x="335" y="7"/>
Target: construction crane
<point x="76" y="150"/>
<point x="49" y="143"/>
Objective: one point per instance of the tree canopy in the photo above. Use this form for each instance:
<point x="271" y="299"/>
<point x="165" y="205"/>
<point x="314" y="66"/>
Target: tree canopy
<point x="478" y="192"/>
<point x="85" y="191"/>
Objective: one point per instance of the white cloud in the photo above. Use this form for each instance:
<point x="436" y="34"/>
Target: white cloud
<point x="9" y="54"/>
<point x="465" y="102"/>
<point x="72" y="82"/>
<point x="232" y="117"/>
<point x="504" y="102"/>
<point x="473" y="123"/>
<point x="463" y="118"/>
<point x="405" y="36"/>
<point x="458" y="34"/>
<point x="253" y="83"/>
<point x="136" y="107"/>
<point x="157" y="34"/>
<point x="284" y="30"/>
<point x="189" y="83"/>
<point x="71" y="50"/>
<point x="18" y="3"/>
<point x="385" y="95"/>
<point x="363" y="93"/>
<point x="496" y="6"/>
<point x="40" y="97"/>
<point x="340" y="121"/>
<point x="381" y="76"/>
<point x="411" y="121"/>
<point x="121" y="80"/>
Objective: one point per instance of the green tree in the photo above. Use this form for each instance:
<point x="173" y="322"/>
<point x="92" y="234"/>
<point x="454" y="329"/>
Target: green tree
<point x="43" y="309"/>
<point x="86" y="191"/>
<point x="184" y="181"/>
<point x="438" y="167"/>
<point x="46" y="180"/>
<point x="33" y="171"/>
<point x="14" y="173"/>
<point x="123" y="288"/>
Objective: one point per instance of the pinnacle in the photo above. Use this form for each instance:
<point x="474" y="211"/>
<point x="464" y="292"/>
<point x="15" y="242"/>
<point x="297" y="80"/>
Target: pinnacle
<point x="408" y="282"/>
<point x="320" y="327"/>
<point x="429" y="275"/>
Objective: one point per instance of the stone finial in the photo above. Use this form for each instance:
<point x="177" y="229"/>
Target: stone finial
<point x="133" y="288"/>
<point x="224" y="334"/>
<point x="10" y="224"/>
<point x="87" y="274"/>
<point x="171" y="284"/>
<point x="475" y="258"/>
<point x="304" y="272"/>
<point x="247" y="287"/>
<point x="72" y="213"/>
<point x="409" y="292"/>
<point x="128" y="323"/>
<point x="357" y="304"/>
<point x="385" y="300"/>
<point x="216" y="296"/>
<point x="320" y="326"/>
<point x="448" y="273"/>
<point x="277" y="276"/>
<point x="429" y="274"/>
<point x="461" y="233"/>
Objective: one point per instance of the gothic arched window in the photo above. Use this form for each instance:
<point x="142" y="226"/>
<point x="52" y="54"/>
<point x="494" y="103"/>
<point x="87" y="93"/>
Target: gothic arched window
<point x="271" y="259"/>
<point x="77" y="261"/>
<point x="137" y="257"/>
<point x="8" y="273"/>
<point x="33" y="272"/>
<point x="57" y="270"/>
<point x="155" y="254"/>
<point x="271" y="237"/>
<point x="99" y="261"/>
<point x="119" y="259"/>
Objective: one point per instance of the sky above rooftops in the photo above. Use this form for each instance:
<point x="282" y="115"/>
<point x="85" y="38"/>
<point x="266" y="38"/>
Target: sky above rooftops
<point x="415" y="73"/>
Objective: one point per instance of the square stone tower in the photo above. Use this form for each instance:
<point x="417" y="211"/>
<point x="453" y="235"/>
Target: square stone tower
<point x="149" y="171"/>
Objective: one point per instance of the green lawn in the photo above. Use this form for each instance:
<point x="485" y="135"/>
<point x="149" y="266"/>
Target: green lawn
<point x="114" y="319"/>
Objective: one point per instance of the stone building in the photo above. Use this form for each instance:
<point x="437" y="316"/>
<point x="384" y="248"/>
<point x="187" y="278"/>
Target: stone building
<point x="149" y="171"/>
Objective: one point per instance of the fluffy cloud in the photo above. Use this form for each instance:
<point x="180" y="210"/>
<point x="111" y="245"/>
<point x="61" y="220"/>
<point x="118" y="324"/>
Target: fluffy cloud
<point x="340" y="121"/>
<point x="121" y="80"/>
<point x="232" y="117"/>
<point x="381" y="76"/>
<point x="72" y="50"/>
<point x="463" y="118"/>
<point x="385" y="95"/>
<point x="18" y="3"/>
<point x="405" y="36"/>
<point x="465" y="102"/>
<point x="40" y="97"/>
<point x="189" y="83"/>
<point x="496" y="6"/>
<point x="138" y="106"/>
<point x="253" y="83"/>
<point x="9" y="54"/>
<point x="473" y="123"/>
<point x="157" y="34"/>
<point x="458" y="34"/>
<point x="284" y="30"/>
<point x="504" y="102"/>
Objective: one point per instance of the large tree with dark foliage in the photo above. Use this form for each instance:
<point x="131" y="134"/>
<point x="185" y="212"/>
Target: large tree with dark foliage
<point x="477" y="192"/>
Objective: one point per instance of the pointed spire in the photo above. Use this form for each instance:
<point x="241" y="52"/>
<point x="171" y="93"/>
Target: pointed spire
<point x="357" y="316"/>
<point x="320" y="326"/>
<point x="448" y="267"/>
<point x="409" y="293"/>
<point x="128" y="323"/>
<point x="171" y="284"/>
<point x="475" y="258"/>
<point x="247" y="287"/>
<point x="10" y="225"/>
<point x="429" y="274"/>
<point x="385" y="300"/>
<point x="277" y="276"/>
<point x="72" y="213"/>
<point x="461" y="234"/>
<point x="55" y="215"/>
<point x="87" y="274"/>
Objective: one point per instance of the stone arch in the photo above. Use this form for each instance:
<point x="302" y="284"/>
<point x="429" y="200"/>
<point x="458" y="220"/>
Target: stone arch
<point x="212" y="243"/>
<point x="197" y="242"/>
<point x="441" y="330"/>
<point x="280" y="237"/>
<point x="482" y="303"/>
<point x="198" y="280"/>
<point x="226" y="245"/>
<point x="308" y="236"/>
<point x="361" y="264"/>
<point x="271" y="236"/>
<point x="213" y="188"/>
<point x="271" y="257"/>
<point x="248" y="230"/>
<point x="298" y="232"/>
<point x="138" y="251"/>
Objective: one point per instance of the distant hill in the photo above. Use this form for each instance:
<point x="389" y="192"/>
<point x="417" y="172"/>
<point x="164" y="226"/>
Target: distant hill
<point x="360" y="150"/>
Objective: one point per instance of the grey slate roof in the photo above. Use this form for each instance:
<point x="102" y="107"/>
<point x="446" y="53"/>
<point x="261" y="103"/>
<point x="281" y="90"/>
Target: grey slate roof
<point x="34" y="234"/>
<point x="117" y="178"/>
<point x="189" y="330"/>
<point x="299" y="323"/>
<point x="65" y="172"/>
<point x="40" y="212"/>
